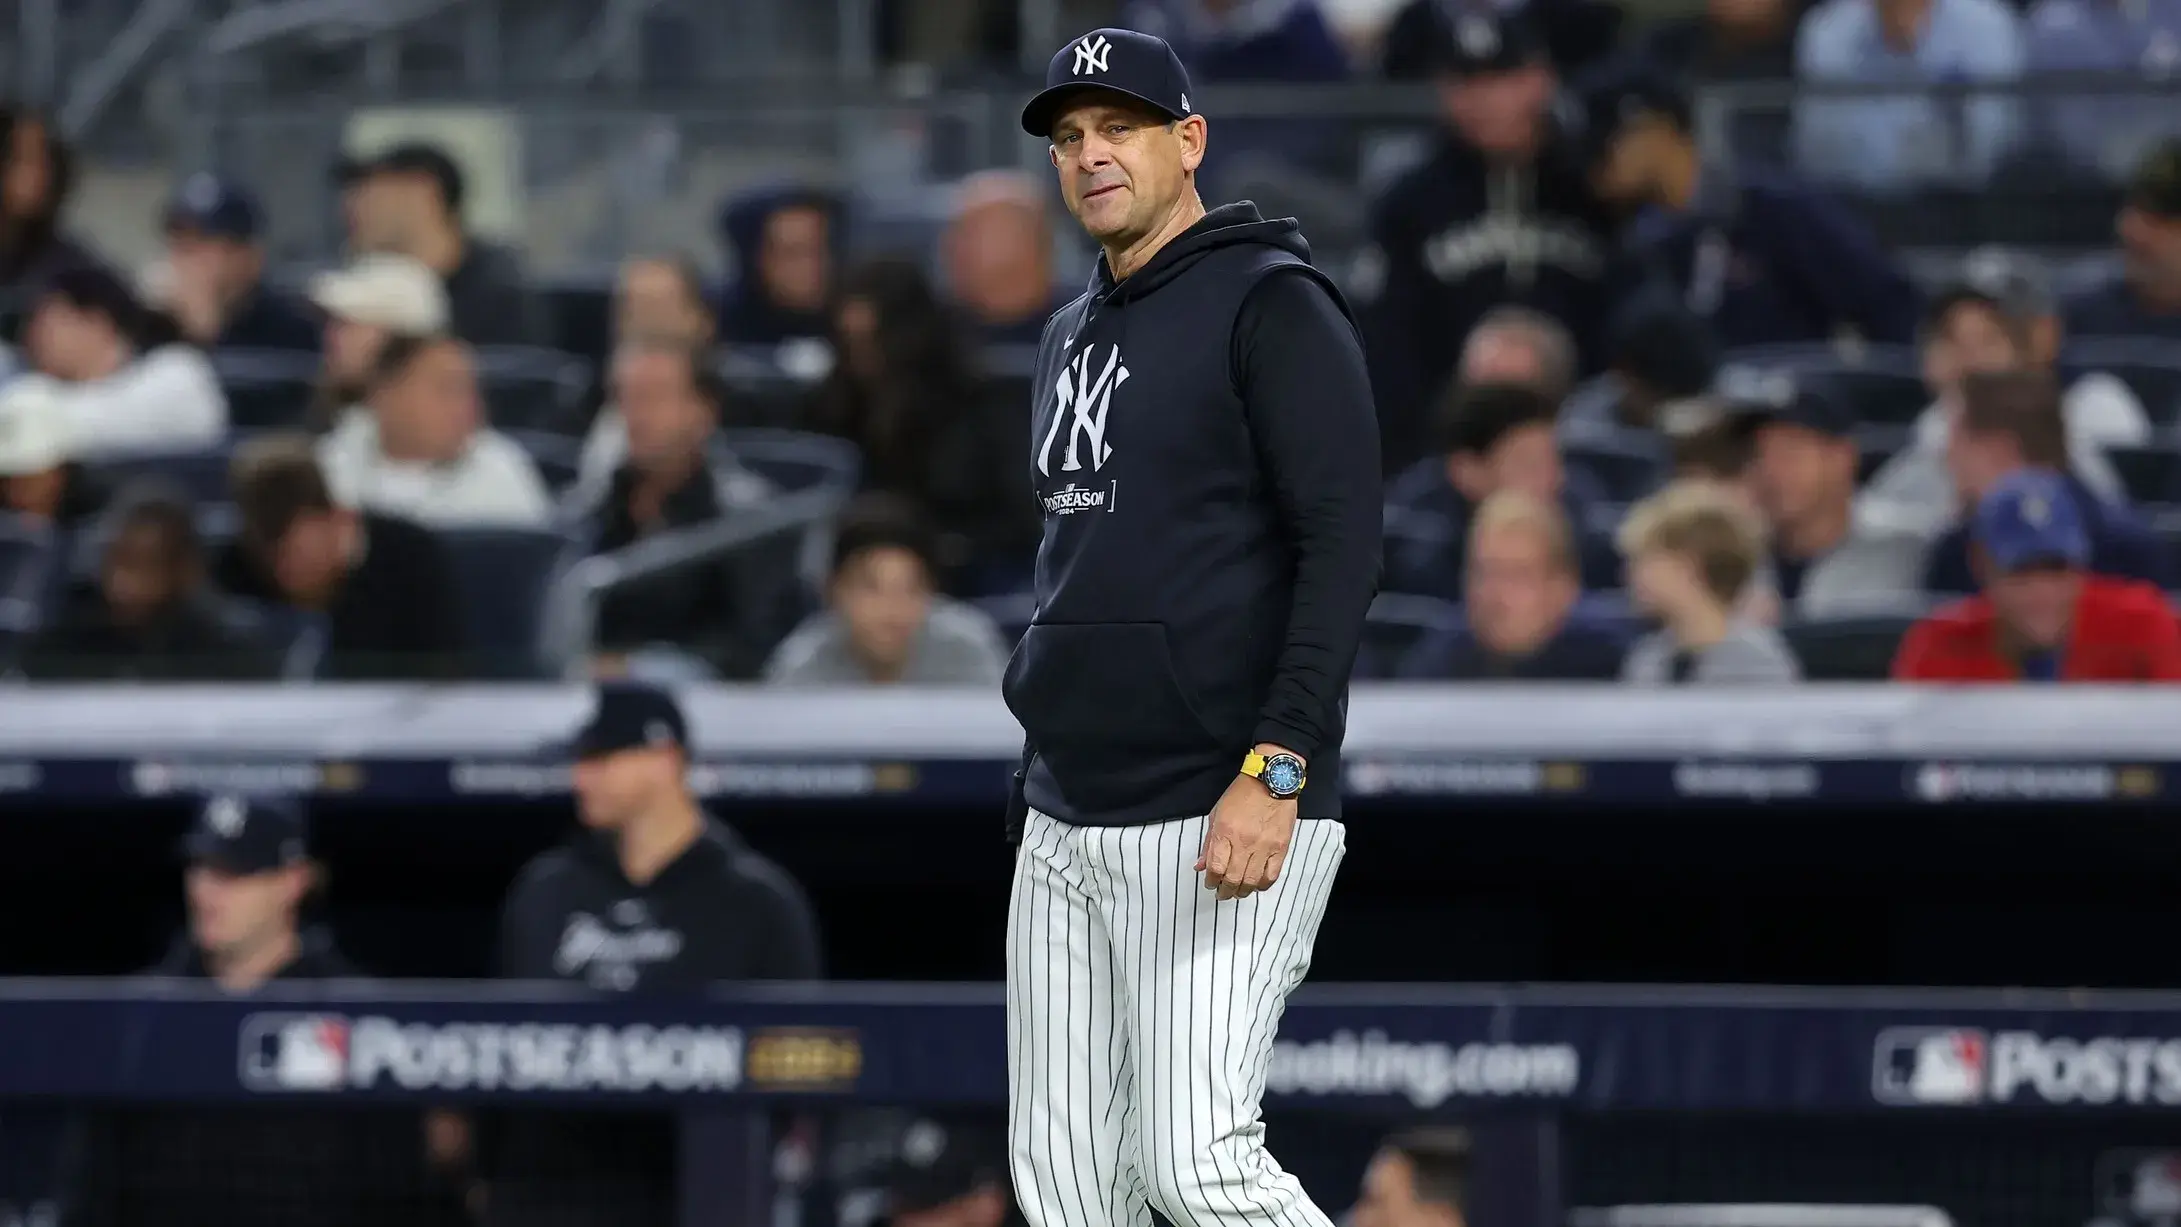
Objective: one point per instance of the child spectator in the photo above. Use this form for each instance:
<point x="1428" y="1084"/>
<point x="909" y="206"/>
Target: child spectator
<point x="1692" y="551"/>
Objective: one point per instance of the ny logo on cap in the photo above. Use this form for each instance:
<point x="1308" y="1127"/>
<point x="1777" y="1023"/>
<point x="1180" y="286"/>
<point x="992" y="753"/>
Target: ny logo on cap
<point x="1091" y="53"/>
<point x="225" y="817"/>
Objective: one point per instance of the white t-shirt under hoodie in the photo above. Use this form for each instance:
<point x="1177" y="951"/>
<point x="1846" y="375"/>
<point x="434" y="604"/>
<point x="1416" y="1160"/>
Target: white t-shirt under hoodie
<point x="493" y="484"/>
<point x="166" y="400"/>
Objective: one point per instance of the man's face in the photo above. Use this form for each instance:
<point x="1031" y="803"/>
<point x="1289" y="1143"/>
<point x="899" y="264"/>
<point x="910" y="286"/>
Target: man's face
<point x="795" y="258"/>
<point x="1503" y="355"/>
<point x="667" y="421"/>
<point x="1970" y="338"/>
<point x="1526" y="458"/>
<point x="1122" y="168"/>
<point x="2036" y="603"/>
<point x="883" y="595"/>
<point x="351" y="348"/>
<point x="653" y="301"/>
<point x="230" y="265"/>
<point x="310" y="558"/>
<point x="1501" y="114"/>
<point x="142" y="573"/>
<point x="394" y="210"/>
<point x="996" y="257"/>
<point x="611" y="789"/>
<point x="68" y="343"/>
<point x="1515" y="594"/>
<point x="1800" y="473"/>
<point x="431" y="409"/>
<point x="234" y="913"/>
<point x="2150" y="248"/>
<point x="1389" y="1197"/>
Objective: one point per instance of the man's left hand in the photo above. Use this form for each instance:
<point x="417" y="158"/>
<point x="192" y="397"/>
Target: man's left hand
<point x="1247" y="838"/>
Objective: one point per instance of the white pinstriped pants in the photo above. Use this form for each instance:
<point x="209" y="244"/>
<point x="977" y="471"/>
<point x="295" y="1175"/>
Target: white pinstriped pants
<point x="1140" y="1018"/>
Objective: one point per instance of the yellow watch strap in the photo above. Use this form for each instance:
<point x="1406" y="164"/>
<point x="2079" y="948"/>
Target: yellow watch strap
<point x="1253" y="765"/>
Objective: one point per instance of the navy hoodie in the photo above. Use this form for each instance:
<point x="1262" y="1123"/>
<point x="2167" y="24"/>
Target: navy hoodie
<point x="1205" y="451"/>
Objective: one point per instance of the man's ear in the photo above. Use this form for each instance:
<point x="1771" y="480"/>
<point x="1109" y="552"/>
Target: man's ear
<point x="1193" y="133"/>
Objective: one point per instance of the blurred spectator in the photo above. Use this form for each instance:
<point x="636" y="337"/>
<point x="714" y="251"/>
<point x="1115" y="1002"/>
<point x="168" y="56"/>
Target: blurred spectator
<point x="377" y="594"/>
<point x="948" y="1176"/>
<point x="1418" y="1178"/>
<point x="2010" y="422"/>
<point x="1731" y="40"/>
<point x="657" y="298"/>
<point x="883" y="624"/>
<point x="1494" y="437"/>
<point x="1692" y="551"/>
<point x="37" y="478"/>
<point x="2145" y="299"/>
<point x="1919" y="50"/>
<point x="728" y="611"/>
<point x="1516" y="345"/>
<point x="2042" y="617"/>
<point x="998" y="257"/>
<point x="125" y="382"/>
<point x="1823" y="559"/>
<point x="1757" y="255"/>
<point x="423" y="452"/>
<point x="1524" y="578"/>
<point x="212" y="278"/>
<point x="653" y="896"/>
<point x="1575" y="33"/>
<point x="1709" y="442"/>
<point x="410" y="203"/>
<point x="2123" y="40"/>
<point x="783" y="242"/>
<point x="150" y="616"/>
<point x="373" y="300"/>
<point x="1244" y="40"/>
<point x="905" y="390"/>
<point x="1996" y="316"/>
<point x="1496" y="216"/>
<point x="1658" y="353"/>
<point x="248" y="878"/>
<point x="39" y="172"/>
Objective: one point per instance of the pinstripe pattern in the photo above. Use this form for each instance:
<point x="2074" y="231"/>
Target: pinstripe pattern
<point x="1141" y="1012"/>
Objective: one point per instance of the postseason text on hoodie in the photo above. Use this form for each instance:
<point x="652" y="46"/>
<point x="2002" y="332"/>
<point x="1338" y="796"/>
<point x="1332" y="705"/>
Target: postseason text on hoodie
<point x="1205" y="451"/>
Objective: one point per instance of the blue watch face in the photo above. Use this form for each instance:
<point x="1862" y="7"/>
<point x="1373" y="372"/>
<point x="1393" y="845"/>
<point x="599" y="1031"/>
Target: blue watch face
<point x="1283" y="776"/>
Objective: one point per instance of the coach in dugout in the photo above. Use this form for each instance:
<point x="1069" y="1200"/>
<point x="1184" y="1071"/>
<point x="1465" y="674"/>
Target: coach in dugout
<point x="249" y="874"/>
<point x="653" y="896"/>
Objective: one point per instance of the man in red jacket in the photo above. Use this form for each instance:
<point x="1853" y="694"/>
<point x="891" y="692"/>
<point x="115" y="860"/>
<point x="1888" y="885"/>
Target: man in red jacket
<point x="2042" y="618"/>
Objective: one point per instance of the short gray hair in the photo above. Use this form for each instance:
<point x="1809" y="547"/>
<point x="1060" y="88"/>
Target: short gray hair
<point x="1555" y="345"/>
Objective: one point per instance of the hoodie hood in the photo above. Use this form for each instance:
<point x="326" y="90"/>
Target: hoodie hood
<point x="747" y="312"/>
<point x="1231" y="225"/>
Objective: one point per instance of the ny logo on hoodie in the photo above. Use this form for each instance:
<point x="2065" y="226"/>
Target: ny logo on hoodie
<point x="1083" y="401"/>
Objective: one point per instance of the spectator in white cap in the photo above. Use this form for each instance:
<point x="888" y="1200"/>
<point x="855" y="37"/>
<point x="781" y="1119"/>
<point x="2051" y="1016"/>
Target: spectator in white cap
<point x="376" y="298"/>
<point x="421" y="450"/>
<point x="126" y="383"/>
<point x="37" y="482"/>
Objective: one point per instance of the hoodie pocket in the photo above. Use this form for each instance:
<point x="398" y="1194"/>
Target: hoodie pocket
<point x="1106" y="684"/>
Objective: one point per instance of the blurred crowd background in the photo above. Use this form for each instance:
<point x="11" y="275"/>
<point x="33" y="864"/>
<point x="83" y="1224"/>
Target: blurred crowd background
<point x="463" y="339"/>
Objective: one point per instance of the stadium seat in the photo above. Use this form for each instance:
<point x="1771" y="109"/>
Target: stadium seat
<point x="1850" y="647"/>
<point x="25" y="559"/>
<point x="2149" y="474"/>
<point x="796" y="460"/>
<point x="200" y="473"/>
<point x="505" y="575"/>
<point x="267" y="389"/>
<point x="2147" y="365"/>
<point x="558" y="457"/>
<point x="1876" y="445"/>
<point x="527" y="388"/>
<point x="1626" y="471"/>
<point x="1395" y="625"/>
<point x="581" y="311"/>
<point x="768" y="383"/>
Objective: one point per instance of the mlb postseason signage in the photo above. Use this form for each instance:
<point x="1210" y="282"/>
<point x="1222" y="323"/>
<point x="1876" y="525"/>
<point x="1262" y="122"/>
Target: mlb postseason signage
<point x="1401" y="1050"/>
<point x="1879" y="744"/>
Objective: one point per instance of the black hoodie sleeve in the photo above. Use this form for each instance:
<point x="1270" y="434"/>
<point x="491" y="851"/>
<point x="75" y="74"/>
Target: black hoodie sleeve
<point x="1307" y="395"/>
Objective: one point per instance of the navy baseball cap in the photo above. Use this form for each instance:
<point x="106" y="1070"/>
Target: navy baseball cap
<point x="217" y="208"/>
<point x="1762" y="397"/>
<point x="246" y="835"/>
<point x="1126" y="62"/>
<point x="1607" y="103"/>
<point x="2031" y="517"/>
<point x="2008" y="283"/>
<point x="1471" y="39"/>
<point x="937" y="1163"/>
<point x="630" y="716"/>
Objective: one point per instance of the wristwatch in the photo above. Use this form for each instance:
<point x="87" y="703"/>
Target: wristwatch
<point x="1281" y="774"/>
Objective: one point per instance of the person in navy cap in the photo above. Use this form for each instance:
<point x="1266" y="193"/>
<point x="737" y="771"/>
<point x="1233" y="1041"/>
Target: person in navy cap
<point x="249" y="872"/>
<point x="2043" y="616"/>
<point x="213" y="279"/>
<point x="1499" y="213"/>
<point x="947" y="1174"/>
<point x="1759" y="256"/>
<point x="1206" y="455"/>
<point x="652" y="896"/>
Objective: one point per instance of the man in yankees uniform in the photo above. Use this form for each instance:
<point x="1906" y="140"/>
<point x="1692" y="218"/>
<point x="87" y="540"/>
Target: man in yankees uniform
<point x="1205" y="450"/>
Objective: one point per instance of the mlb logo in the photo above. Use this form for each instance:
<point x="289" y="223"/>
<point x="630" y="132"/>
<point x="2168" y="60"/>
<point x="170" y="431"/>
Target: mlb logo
<point x="1924" y="1066"/>
<point x="294" y="1052"/>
